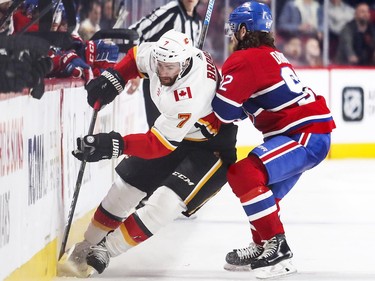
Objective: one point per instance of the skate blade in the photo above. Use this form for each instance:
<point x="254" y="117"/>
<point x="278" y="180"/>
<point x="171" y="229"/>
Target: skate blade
<point x="231" y="267"/>
<point x="67" y="268"/>
<point x="282" y="268"/>
<point x="183" y="217"/>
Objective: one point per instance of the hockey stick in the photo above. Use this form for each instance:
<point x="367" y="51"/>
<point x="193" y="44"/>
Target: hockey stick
<point x="122" y="14"/>
<point x="78" y="183"/>
<point x="206" y="22"/>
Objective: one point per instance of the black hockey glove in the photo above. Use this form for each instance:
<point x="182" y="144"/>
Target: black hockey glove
<point x="40" y="68"/>
<point x="99" y="147"/>
<point x="105" y="88"/>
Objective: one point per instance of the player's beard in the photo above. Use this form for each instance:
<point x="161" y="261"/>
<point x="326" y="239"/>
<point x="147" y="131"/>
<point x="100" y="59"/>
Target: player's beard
<point x="238" y="44"/>
<point x="167" y="81"/>
<point x="234" y="44"/>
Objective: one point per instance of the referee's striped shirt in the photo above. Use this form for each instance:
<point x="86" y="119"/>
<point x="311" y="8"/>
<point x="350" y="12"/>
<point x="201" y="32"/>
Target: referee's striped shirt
<point x="170" y="16"/>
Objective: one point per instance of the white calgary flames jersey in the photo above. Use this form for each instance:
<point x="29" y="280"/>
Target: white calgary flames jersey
<point x="185" y="107"/>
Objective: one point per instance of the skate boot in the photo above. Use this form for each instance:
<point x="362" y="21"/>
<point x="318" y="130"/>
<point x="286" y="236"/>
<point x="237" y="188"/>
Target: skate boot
<point x="275" y="260"/>
<point x="73" y="263"/>
<point x="98" y="257"/>
<point x="240" y="259"/>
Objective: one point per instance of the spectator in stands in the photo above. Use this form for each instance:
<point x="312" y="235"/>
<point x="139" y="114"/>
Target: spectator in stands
<point x="339" y="13"/>
<point x="303" y="53"/>
<point x="59" y="20"/>
<point x="301" y="17"/>
<point x="313" y="56"/>
<point x="24" y="15"/>
<point x="90" y="25"/>
<point x="357" y="39"/>
<point x="293" y="51"/>
<point x="7" y="27"/>
<point x="107" y="20"/>
<point x="372" y="13"/>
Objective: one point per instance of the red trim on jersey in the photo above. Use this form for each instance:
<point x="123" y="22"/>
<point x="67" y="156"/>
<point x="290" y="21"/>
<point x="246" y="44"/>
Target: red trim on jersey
<point x="127" y="67"/>
<point x="146" y="146"/>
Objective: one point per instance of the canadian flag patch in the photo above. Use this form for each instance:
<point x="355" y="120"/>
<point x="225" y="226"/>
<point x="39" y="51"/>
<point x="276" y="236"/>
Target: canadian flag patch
<point x="182" y="94"/>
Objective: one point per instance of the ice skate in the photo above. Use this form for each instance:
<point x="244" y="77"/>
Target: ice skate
<point x="275" y="260"/>
<point x="240" y="259"/>
<point x="73" y="263"/>
<point x="98" y="257"/>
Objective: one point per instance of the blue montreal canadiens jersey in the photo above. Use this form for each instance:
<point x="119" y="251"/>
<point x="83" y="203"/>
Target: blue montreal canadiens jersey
<point x="261" y="84"/>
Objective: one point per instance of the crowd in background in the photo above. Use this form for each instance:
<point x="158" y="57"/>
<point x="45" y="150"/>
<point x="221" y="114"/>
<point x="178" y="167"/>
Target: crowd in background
<point x="349" y="32"/>
<point x="299" y="27"/>
<point x="311" y="33"/>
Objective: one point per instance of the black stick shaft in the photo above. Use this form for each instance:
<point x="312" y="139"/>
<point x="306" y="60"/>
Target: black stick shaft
<point x="78" y="184"/>
<point x="206" y="23"/>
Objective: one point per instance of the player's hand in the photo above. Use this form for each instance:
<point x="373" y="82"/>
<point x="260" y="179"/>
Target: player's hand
<point x="100" y="55"/>
<point x="99" y="147"/>
<point x="74" y="66"/>
<point x="105" y="88"/>
<point x="106" y="51"/>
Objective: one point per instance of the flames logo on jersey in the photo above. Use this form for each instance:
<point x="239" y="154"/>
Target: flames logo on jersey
<point x="182" y="94"/>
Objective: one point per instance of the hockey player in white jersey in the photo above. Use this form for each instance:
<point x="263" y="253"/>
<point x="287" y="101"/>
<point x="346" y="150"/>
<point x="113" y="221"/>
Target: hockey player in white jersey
<point x="183" y="158"/>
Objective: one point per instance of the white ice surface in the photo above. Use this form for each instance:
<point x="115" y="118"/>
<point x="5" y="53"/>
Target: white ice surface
<point x="329" y="218"/>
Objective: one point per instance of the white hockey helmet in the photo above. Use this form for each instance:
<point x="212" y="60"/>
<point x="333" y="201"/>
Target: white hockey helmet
<point x="173" y="46"/>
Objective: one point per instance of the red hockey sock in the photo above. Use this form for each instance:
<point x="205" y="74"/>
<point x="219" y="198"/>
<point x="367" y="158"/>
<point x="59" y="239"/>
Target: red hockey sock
<point x="106" y="220"/>
<point x="135" y="230"/>
<point x="268" y="226"/>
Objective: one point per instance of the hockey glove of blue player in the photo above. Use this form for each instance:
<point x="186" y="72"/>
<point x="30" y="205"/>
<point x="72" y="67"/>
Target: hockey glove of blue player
<point x="105" y="88"/>
<point x="99" y="147"/>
